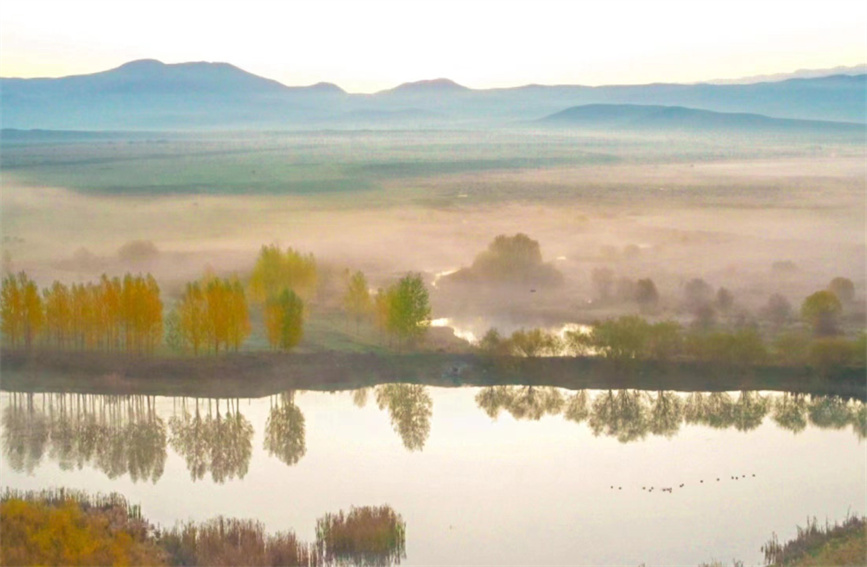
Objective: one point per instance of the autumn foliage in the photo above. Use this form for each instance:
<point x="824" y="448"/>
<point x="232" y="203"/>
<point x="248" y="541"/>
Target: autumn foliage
<point x="276" y="270"/>
<point x="112" y="314"/>
<point x="68" y="533"/>
<point x="213" y="314"/>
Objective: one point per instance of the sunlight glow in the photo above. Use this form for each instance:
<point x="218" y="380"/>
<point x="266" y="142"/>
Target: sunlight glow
<point x="370" y="46"/>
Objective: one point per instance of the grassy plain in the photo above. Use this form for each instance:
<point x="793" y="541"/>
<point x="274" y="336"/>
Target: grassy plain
<point x="668" y="207"/>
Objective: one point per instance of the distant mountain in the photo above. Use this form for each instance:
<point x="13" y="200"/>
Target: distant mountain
<point x="799" y="74"/>
<point x="150" y="95"/>
<point x="632" y="118"/>
<point x="436" y="86"/>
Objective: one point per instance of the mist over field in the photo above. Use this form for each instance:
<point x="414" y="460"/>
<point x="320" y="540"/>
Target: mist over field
<point x="402" y="283"/>
<point x="670" y="208"/>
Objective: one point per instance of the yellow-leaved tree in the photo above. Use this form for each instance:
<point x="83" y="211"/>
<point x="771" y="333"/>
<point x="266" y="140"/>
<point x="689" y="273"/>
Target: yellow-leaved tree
<point x="275" y="271"/>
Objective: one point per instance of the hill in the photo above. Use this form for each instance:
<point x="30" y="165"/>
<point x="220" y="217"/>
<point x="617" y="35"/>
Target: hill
<point x="632" y="117"/>
<point x="150" y="95"/>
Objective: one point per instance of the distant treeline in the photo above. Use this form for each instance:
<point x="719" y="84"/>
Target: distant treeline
<point x="631" y="338"/>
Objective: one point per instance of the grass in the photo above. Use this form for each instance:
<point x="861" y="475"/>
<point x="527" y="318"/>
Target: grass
<point x="843" y="543"/>
<point x="343" y="163"/>
<point x="74" y="528"/>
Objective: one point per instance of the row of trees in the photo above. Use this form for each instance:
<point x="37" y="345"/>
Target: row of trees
<point x="633" y="338"/>
<point x="210" y="314"/>
<point x="402" y="309"/>
<point x="822" y="310"/>
<point x="112" y="314"/>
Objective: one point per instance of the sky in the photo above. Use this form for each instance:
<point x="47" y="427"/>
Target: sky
<point x="366" y="46"/>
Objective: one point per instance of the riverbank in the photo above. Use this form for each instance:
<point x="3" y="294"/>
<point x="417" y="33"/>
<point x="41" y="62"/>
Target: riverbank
<point x="259" y="374"/>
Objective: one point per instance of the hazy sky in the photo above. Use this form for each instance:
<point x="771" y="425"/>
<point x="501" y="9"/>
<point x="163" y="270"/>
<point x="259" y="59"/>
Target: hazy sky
<point x="366" y="46"/>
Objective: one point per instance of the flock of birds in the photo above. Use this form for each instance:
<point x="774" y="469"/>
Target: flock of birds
<point x="669" y="489"/>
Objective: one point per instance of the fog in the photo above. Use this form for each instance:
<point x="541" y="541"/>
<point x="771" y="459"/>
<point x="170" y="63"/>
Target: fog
<point x="724" y="220"/>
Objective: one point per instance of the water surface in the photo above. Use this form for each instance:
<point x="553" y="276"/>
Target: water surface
<point x="498" y="475"/>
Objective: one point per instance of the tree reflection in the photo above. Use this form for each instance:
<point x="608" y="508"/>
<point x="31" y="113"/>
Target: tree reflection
<point x="522" y="402"/>
<point x="116" y="434"/>
<point x="359" y="397"/>
<point x="749" y="410"/>
<point x="790" y="412"/>
<point x="829" y="412"/>
<point x="859" y="419"/>
<point x="25" y="434"/>
<point x="410" y="408"/>
<point x="622" y="415"/>
<point x="713" y="410"/>
<point x="577" y="409"/>
<point x="666" y="414"/>
<point x="217" y="443"/>
<point x="284" y="430"/>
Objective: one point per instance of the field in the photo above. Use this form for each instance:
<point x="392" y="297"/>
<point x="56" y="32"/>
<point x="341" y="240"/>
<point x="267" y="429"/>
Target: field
<point x="671" y="208"/>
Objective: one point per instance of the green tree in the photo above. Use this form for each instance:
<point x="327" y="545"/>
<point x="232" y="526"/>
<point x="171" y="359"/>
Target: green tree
<point x="284" y="320"/>
<point x="534" y="343"/>
<point x="622" y="338"/>
<point x="408" y="308"/>
<point x="822" y="311"/>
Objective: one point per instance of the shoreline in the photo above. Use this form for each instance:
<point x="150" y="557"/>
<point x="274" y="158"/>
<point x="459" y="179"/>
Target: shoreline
<point x="260" y="374"/>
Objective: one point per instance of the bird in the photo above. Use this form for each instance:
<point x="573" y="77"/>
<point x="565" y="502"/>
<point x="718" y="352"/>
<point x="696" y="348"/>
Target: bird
<point x="612" y="488"/>
<point x="717" y="480"/>
<point x="681" y="486"/>
<point x="619" y="488"/>
<point x="754" y="475"/>
<point x="701" y="481"/>
<point x="532" y="291"/>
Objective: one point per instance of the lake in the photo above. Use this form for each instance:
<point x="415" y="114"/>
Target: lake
<point x="493" y="475"/>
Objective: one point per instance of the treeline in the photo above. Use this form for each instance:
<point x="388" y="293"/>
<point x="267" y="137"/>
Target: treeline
<point x="632" y="338"/>
<point x="113" y="314"/>
<point x="210" y="314"/>
<point x="60" y="527"/>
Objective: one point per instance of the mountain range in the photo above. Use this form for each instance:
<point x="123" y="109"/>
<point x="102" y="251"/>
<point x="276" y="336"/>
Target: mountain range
<point x="150" y="95"/>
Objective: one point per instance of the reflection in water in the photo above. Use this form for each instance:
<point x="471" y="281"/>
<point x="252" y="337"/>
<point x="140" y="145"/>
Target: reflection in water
<point x="790" y="412"/>
<point x="124" y="435"/>
<point x="216" y="443"/>
<point x="284" y="430"/>
<point x="523" y="402"/>
<point x="368" y="536"/>
<point x="359" y="397"/>
<point x="749" y="410"/>
<point x="409" y="406"/>
<point x="629" y="415"/>
<point x="832" y="412"/>
<point x="666" y="414"/>
<point x="25" y="434"/>
<point x="577" y="409"/>
<point x="115" y="434"/>
<point x="623" y="415"/>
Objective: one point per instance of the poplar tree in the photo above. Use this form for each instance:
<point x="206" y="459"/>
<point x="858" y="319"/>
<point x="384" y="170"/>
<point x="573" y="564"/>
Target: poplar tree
<point x="357" y="301"/>
<point x="284" y="320"/>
